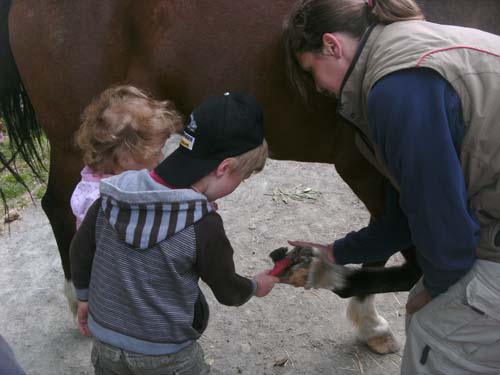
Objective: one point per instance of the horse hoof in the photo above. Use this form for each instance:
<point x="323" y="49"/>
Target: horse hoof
<point x="383" y="344"/>
<point x="299" y="278"/>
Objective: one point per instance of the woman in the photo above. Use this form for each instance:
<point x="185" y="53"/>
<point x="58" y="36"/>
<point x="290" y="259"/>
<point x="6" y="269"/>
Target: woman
<point x="424" y="99"/>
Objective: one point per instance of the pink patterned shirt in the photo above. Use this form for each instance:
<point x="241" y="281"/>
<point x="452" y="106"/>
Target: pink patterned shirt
<point x="85" y="193"/>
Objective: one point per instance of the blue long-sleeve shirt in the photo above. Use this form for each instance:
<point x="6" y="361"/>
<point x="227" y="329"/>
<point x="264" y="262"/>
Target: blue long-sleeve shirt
<point x="416" y="120"/>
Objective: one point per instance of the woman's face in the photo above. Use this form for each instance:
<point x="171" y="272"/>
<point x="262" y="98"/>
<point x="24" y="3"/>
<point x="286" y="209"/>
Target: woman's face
<point x="328" y="67"/>
<point x="325" y="71"/>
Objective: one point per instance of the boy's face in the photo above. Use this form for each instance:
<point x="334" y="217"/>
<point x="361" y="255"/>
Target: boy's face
<point x="223" y="185"/>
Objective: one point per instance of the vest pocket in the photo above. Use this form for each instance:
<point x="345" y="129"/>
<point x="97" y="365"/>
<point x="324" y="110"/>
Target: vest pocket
<point x="483" y="295"/>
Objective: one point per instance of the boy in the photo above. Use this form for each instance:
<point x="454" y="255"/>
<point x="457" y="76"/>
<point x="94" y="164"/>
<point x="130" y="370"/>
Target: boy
<point x="152" y="235"/>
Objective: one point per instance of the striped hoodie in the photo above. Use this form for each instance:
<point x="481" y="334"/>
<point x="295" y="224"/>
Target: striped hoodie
<point x="137" y="259"/>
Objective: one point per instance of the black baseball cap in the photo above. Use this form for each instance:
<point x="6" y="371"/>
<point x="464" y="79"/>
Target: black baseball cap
<point x="221" y="127"/>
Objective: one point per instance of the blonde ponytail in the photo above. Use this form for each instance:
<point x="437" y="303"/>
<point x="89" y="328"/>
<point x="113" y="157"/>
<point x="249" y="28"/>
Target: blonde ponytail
<point x="389" y="11"/>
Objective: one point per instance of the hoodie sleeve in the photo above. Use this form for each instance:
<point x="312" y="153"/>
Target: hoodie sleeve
<point x="82" y="250"/>
<point x="215" y="263"/>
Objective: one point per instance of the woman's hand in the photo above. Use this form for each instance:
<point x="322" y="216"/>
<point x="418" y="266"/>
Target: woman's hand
<point x="326" y="249"/>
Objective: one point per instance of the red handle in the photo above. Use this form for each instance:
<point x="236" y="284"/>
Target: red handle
<point x="279" y="267"/>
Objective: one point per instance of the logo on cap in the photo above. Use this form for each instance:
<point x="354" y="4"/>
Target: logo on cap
<point x="187" y="141"/>
<point x="192" y="126"/>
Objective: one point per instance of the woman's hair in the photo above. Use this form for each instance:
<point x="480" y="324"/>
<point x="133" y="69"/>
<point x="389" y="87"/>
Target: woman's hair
<point x="124" y="120"/>
<point x="251" y="161"/>
<point x="309" y="20"/>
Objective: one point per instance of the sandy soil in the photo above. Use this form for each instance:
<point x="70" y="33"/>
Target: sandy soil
<point x="292" y="331"/>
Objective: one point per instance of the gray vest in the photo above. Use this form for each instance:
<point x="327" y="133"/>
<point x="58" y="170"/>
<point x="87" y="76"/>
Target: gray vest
<point x="469" y="60"/>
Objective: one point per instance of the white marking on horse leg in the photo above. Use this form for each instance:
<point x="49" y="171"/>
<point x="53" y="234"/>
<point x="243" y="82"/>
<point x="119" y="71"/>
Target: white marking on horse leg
<point x="371" y="328"/>
<point x="69" y="292"/>
<point x="325" y="274"/>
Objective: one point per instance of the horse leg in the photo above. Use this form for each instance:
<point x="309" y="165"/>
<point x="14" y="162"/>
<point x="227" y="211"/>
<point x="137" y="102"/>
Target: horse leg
<point x="373" y="278"/>
<point x="60" y="83"/>
<point x="363" y="284"/>
<point x="55" y="203"/>
<point x="368" y="184"/>
<point x="371" y="327"/>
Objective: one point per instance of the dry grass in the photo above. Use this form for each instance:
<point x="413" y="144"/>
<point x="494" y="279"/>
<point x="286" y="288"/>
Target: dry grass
<point x="16" y="195"/>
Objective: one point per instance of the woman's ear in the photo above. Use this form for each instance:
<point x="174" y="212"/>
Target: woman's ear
<point x="332" y="45"/>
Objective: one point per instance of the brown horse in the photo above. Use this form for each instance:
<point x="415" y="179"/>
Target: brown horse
<point x="66" y="52"/>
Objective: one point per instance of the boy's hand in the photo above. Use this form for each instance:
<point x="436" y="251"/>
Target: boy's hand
<point x="326" y="249"/>
<point x="82" y="314"/>
<point x="265" y="283"/>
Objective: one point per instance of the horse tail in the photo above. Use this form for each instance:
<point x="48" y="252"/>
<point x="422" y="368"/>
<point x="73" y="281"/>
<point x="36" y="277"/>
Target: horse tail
<point x="24" y="130"/>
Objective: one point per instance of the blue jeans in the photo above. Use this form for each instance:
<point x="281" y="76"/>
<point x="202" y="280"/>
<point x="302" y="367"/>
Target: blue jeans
<point x="110" y="360"/>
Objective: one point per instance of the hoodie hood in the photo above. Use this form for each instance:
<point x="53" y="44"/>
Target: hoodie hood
<point x="144" y="212"/>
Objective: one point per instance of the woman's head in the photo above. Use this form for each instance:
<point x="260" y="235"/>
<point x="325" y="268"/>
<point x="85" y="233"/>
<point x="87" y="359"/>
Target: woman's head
<point x="125" y="129"/>
<point x="346" y="20"/>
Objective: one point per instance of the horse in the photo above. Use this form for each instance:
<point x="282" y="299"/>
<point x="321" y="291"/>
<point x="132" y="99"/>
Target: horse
<point x="56" y="56"/>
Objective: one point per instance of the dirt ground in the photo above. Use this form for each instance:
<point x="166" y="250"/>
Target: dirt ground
<point x="292" y="331"/>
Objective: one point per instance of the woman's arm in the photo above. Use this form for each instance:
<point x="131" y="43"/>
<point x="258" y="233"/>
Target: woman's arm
<point x="416" y="120"/>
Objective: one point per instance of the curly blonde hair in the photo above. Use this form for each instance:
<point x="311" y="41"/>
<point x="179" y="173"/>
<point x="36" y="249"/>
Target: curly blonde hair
<point x="124" y="120"/>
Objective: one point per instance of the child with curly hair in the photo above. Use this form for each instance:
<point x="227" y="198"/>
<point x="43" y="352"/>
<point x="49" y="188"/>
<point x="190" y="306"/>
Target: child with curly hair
<point x="122" y="129"/>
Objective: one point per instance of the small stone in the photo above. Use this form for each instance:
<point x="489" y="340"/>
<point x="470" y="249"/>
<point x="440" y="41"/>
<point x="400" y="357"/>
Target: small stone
<point x="11" y="216"/>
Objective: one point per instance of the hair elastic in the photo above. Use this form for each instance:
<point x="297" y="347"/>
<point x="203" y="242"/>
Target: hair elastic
<point x="371" y="3"/>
